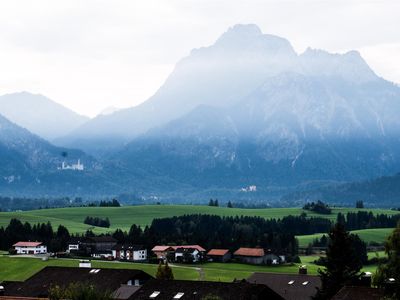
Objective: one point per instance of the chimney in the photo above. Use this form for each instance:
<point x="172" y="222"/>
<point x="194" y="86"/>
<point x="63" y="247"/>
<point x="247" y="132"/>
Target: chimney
<point x="85" y="264"/>
<point x="303" y="270"/>
<point x="366" y="279"/>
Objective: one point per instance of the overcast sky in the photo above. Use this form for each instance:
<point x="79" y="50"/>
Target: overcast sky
<point x="89" y="55"/>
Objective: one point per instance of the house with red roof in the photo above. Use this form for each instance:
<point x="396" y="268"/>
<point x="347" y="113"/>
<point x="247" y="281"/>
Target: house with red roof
<point x="30" y="248"/>
<point x="219" y="255"/>
<point x="258" y="256"/>
<point x="182" y="253"/>
<point x="254" y="256"/>
<point x="162" y="251"/>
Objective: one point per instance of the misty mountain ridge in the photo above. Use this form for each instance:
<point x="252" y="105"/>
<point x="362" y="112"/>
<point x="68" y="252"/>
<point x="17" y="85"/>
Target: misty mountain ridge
<point x="39" y="114"/>
<point x="315" y="117"/>
<point x="248" y="110"/>
<point x="240" y="61"/>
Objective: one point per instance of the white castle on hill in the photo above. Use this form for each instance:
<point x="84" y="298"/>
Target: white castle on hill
<point x="251" y="188"/>
<point x="75" y="167"/>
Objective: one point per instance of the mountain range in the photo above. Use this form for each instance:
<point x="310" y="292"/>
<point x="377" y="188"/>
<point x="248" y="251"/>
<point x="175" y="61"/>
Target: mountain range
<point x="40" y="115"/>
<point x="245" y="111"/>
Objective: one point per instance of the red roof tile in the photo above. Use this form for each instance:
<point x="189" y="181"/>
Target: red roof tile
<point x="250" y="252"/>
<point x="161" y="248"/>
<point x="218" y="252"/>
<point x="27" y="244"/>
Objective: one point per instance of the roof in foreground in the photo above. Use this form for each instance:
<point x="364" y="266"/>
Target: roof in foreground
<point x="27" y="244"/>
<point x="359" y="292"/>
<point x="289" y="286"/>
<point x="256" y="252"/>
<point x="218" y="252"/>
<point x="183" y="289"/>
<point x="103" y="279"/>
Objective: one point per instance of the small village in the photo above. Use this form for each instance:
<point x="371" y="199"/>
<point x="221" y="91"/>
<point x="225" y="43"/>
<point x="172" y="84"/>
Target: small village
<point x="107" y="248"/>
<point x="137" y="284"/>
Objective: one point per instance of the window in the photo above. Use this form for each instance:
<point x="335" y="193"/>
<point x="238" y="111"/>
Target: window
<point x="291" y="282"/>
<point x="305" y="283"/>
<point x="155" y="294"/>
<point x="179" y="296"/>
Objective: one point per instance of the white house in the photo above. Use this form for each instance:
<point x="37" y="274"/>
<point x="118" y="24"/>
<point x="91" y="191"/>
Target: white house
<point x="30" y="248"/>
<point x="129" y="252"/>
<point x="187" y="255"/>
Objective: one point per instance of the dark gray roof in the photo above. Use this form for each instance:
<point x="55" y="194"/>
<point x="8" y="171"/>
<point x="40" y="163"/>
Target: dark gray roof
<point x="359" y="293"/>
<point x="183" y="250"/>
<point x="103" y="280"/>
<point x="125" y="292"/>
<point x="128" y="247"/>
<point x="289" y="286"/>
<point x="168" y="289"/>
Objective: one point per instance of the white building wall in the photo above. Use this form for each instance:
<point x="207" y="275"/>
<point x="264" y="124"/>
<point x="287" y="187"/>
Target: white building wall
<point x="31" y="250"/>
<point x="140" y="255"/>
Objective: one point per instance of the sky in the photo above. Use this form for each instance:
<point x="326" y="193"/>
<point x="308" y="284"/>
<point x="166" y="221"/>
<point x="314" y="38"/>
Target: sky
<point x="89" y="55"/>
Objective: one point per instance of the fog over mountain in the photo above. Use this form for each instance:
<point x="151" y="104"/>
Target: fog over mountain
<point x="222" y="74"/>
<point x="248" y="110"/>
<point x="39" y="114"/>
<point x="239" y="62"/>
<point x="310" y="117"/>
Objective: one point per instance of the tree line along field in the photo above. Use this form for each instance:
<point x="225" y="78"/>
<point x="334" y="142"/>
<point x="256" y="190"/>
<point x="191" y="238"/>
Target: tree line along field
<point x="124" y="217"/>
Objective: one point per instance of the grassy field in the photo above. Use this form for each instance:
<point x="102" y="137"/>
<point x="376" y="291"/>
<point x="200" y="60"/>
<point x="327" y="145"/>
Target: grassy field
<point x="377" y="235"/>
<point x="19" y="269"/>
<point x="124" y="217"/>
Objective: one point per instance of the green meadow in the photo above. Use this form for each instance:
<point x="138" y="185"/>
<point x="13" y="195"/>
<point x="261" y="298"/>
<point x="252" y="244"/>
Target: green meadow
<point x="20" y="268"/>
<point x="124" y="217"/>
<point x="378" y="235"/>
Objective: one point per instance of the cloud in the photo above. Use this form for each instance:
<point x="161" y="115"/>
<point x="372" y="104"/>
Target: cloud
<point x="92" y="54"/>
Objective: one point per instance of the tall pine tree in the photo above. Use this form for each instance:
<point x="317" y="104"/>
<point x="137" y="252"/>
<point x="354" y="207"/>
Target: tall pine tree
<point x="392" y="268"/>
<point x="342" y="264"/>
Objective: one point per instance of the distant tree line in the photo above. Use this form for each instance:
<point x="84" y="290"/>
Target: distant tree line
<point x="20" y="203"/>
<point x="318" y="207"/>
<point x="104" y="203"/>
<point x="96" y="221"/>
<point x="364" y="220"/>
<point x="112" y="203"/>
<point x="359" y="204"/>
<point x="213" y="202"/>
